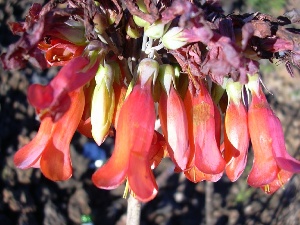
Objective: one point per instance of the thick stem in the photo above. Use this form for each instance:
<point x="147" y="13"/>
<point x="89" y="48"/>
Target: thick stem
<point x="133" y="211"/>
<point x="209" y="190"/>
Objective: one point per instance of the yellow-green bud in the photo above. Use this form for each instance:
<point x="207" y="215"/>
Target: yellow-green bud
<point x="155" y="30"/>
<point x="139" y="21"/>
<point x="103" y="102"/>
<point x="234" y="91"/>
<point x="147" y="69"/>
<point x="253" y="83"/>
<point x="133" y="31"/>
<point x="173" y="38"/>
<point x="166" y="77"/>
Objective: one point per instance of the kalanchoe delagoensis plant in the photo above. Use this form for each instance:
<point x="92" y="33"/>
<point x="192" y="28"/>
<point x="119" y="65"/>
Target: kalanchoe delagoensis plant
<point x="120" y="58"/>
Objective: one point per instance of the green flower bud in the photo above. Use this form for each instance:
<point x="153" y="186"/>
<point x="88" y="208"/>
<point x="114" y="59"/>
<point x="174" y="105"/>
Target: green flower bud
<point x="132" y="30"/>
<point x="139" y="21"/>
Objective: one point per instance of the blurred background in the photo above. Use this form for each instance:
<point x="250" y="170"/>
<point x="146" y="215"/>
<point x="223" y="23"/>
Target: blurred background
<point x="28" y="198"/>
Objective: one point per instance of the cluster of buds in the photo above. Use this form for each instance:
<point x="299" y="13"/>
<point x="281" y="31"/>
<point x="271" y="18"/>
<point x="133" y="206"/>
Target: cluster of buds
<point x="190" y="64"/>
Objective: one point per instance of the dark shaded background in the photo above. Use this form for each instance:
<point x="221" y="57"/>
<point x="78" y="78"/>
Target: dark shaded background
<point x="27" y="198"/>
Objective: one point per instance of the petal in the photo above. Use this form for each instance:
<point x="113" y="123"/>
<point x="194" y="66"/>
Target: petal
<point x="157" y="149"/>
<point x="85" y="127"/>
<point x="120" y="94"/>
<point x="236" y="140"/>
<point x="28" y="155"/>
<point x="61" y="53"/>
<point x="55" y="160"/>
<point x="282" y="178"/>
<point x="218" y="121"/>
<point x="114" y="172"/>
<point x="55" y="163"/>
<point x="141" y="179"/>
<point x="196" y="176"/>
<point x="264" y="169"/>
<point x="174" y="126"/>
<point x="282" y="157"/>
<point x="208" y="158"/>
<point x="137" y="120"/>
<point x="69" y="78"/>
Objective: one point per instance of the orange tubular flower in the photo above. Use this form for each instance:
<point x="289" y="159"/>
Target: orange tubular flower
<point x="173" y="120"/>
<point x="272" y="166"/>
<point x="208" y="158"/>
<point x="193" y="173"/>
<point x="50" y="148"/>
<point x="236" y="135"/>
<point x="132" y="155"/>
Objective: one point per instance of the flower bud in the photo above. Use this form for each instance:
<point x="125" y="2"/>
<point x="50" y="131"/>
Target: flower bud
<point x="147" y="69"/>
<point x="100" y="23"/>
<point x="166" y="77"/>
<point x="132" y="30"/>
<point x="155" y="30"/>
<point x="139" y="21"/>
<point x="103" y="103"/>
<point x="173" y="38"/>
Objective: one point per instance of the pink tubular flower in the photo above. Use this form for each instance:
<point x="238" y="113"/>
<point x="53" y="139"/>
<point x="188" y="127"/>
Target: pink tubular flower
<point x="236" y="135"/>
<point x="132" y="155"/>
<point x="50" y="148"/>
<point x="272" y="166"/>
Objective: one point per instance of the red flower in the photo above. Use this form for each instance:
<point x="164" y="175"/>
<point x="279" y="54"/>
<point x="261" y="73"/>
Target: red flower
<point x="50" y="148"/>
<point x="53" y="98"/>
<point x="131" y="156"/>
<point x="174" y="125"/>
<point x="205" y="162"/>
<point x="272" y="166"/>
<point x="59" y="52"/>
<point x="208" y="158"/>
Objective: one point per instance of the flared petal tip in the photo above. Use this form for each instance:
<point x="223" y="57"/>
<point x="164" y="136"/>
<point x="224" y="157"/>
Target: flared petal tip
<point x="147" y="197"/>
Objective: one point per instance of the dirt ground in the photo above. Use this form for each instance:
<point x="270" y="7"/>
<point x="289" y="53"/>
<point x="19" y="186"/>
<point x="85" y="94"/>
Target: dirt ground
<point x="28" y="198"/>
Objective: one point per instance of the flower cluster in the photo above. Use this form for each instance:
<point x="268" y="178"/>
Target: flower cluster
<point x="192" y="60"/>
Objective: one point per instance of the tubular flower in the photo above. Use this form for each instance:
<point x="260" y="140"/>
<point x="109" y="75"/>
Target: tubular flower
<point x="236" y="135"/>
<point x="173" y="119"/>
<point x="50" y="148"/>
<point x="195" y="173"/>
<point x="272" y="166"/>
<point x="132" y="155"/>
<point x="208" y="158"/>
